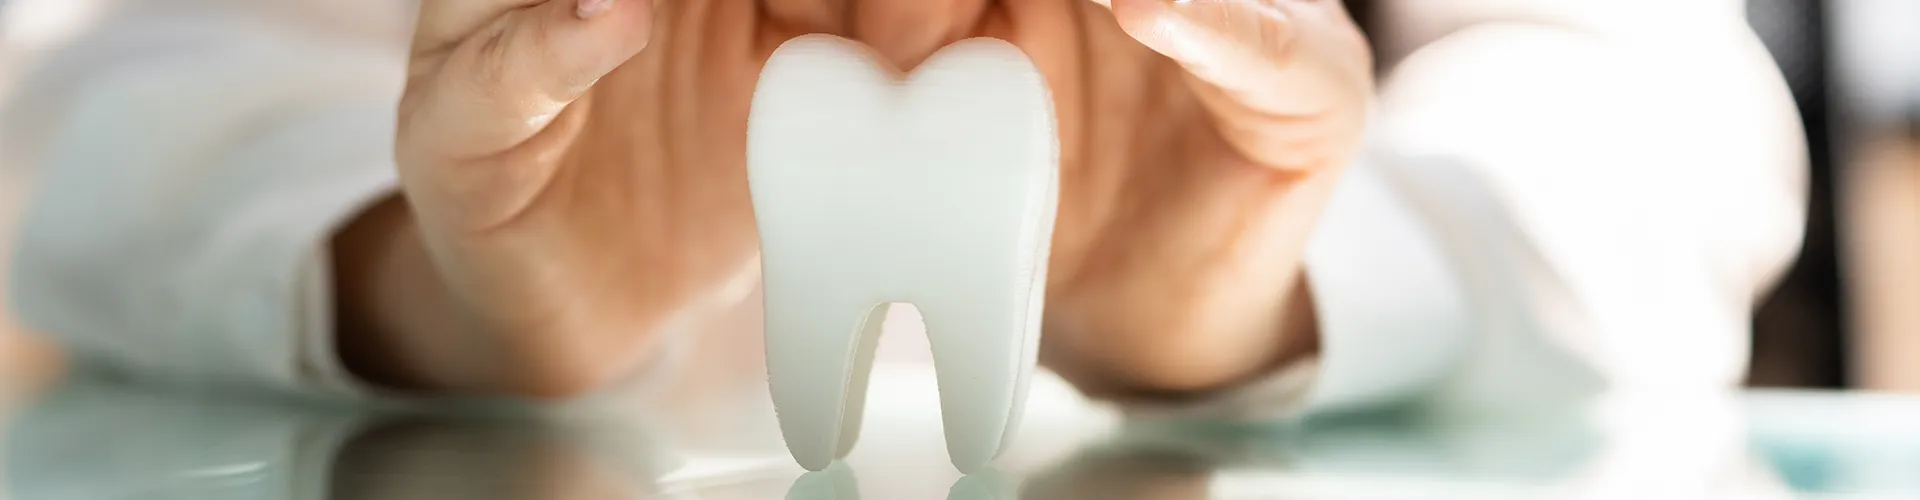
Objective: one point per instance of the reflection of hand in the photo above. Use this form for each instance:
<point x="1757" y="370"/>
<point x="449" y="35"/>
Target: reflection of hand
<point x="88" y="440"/>
<point x="1185" y="211"/>
<point x="838" y="482"/>
<point x="480" y="461"/>
<point x="25" y="361"/>
<point x="1123" y="474"/>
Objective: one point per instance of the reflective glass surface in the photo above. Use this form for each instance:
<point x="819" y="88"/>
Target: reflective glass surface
<point x="87" y="440"/>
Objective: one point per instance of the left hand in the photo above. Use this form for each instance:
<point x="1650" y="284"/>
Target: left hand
<point x="1205" y="158"/>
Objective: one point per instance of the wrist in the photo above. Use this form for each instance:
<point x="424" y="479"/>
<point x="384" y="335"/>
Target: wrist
<point x="1220" y="351"/>
<point x="393" y="311"/>
<point x="404" y="325"/>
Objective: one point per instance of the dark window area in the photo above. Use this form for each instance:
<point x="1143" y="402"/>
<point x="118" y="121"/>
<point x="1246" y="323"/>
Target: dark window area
<point x="1799" y="338"/>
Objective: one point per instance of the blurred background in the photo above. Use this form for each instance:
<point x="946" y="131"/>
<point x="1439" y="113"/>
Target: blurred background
<point x="1848" y="314"/>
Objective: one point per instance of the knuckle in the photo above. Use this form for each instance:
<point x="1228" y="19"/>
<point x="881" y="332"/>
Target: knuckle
<point x="489" y="62"/>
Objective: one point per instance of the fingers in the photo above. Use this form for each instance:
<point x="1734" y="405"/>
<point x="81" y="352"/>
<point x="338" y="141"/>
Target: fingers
<point x="1269" y="70"/>
<point x="515" y="71"/>
<point x="1244" y="47"/>
<point x="444" y="23"/>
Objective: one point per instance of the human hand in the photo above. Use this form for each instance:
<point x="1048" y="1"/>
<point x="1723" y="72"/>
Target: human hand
<point x="572" y="218"/>
<point x="1206" y="161"/>
<point x="543" y="236"/>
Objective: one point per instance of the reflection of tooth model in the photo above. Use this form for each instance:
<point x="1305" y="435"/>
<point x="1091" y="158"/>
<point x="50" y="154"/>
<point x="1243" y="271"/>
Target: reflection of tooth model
<point x="937" y="190"/>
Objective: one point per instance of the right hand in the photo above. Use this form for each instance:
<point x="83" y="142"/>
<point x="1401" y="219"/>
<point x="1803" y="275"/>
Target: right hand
<point x="541" y="233"/>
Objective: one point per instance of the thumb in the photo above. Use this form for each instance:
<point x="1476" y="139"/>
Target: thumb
<point x="509" y="79"/>
<point x="1247" y="48"/>
<point x="1286" y="81"/>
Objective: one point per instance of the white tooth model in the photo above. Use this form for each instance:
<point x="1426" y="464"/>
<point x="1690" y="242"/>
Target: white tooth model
<point x="871" y="187"/>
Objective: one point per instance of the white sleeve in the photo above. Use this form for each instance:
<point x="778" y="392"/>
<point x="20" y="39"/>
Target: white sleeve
<point x="1577" y="217"/>
<point x="192" y="159"/>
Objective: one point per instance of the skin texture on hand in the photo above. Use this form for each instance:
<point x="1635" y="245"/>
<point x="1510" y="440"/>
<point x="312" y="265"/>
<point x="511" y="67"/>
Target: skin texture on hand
<point x="563" y="202"/>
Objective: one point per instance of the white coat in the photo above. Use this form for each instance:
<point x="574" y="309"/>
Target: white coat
<point x="1542" y="212"/>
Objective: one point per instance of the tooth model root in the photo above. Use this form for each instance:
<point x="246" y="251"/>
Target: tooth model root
<point x="821" y="397"/>
<point x="978" y="356"/>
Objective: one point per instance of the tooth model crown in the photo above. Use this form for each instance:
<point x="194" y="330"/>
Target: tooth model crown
<point x="936" y="188"/>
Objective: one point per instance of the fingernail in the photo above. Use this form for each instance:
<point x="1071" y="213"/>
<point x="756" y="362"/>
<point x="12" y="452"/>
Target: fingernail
<point x="588" y="8"/>
<point x="1203" y="26"/>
